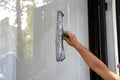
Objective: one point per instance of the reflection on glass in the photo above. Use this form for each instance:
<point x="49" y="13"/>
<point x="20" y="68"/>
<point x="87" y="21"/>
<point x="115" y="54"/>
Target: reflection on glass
<point x="16" y="31"/>
<point x="26" y="63"/>
<point x="7" y="45"/>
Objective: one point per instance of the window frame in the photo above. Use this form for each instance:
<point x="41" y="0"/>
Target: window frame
<point x="97" y="32"/>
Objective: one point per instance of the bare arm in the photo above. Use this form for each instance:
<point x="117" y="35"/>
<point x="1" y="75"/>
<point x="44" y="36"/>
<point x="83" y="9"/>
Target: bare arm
<point x="92" y="61"/>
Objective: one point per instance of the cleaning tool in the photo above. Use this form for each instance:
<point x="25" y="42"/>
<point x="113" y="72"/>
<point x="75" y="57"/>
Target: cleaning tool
<point x="60" y="54"/>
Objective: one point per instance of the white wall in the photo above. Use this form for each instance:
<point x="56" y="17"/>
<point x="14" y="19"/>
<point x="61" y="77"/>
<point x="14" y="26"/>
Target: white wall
<point x="75" y="20"/>
<point x="112" y="36"/>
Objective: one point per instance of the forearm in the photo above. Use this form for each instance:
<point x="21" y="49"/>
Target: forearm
<point x="92" y="61"/>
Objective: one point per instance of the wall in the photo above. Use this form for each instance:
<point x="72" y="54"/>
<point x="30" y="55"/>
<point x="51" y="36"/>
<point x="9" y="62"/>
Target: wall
<point x="112" y="36"/>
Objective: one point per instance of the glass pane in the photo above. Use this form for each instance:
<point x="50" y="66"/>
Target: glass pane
<point x="27" y="44"/>
<point x="7" y="41"/>
<point x="75" y="19"/>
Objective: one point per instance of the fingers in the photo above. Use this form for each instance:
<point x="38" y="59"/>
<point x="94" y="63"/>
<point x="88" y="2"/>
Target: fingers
<point x="67" y="40"/>
<point x="68" y="33"/>
<point x="72" y="40"/>
<point x="65" y="35"/>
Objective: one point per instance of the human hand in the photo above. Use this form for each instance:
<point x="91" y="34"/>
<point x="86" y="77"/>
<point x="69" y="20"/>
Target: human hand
<point x="118" y="65"/>
<point x="70" y="38"/>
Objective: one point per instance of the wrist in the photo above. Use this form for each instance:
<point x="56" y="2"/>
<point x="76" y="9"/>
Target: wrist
<point x="76" y="45"/>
